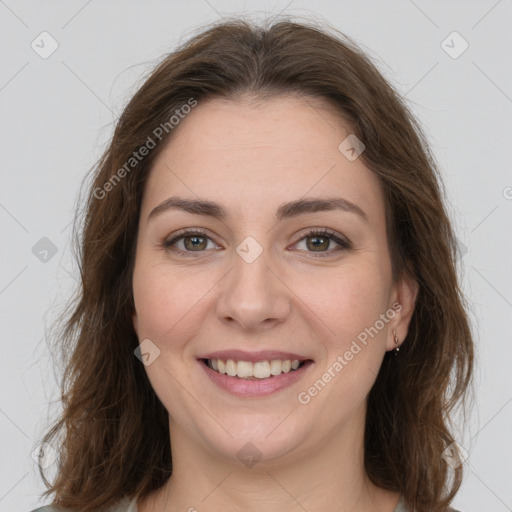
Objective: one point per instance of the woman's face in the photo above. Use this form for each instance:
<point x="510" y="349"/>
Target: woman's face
<point x="267" y="278"/>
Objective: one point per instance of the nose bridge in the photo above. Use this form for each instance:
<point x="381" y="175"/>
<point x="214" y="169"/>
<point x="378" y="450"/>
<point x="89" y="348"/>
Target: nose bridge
<point x="252" y="295"/>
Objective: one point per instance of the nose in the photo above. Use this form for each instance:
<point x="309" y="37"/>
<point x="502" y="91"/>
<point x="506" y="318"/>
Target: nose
<point x="253" y="295"/>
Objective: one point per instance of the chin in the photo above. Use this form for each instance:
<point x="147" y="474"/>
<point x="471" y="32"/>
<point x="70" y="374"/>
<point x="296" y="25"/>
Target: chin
<point x="258" y="439"/>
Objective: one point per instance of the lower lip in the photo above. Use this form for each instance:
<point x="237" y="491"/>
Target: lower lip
<point x="255" y="388"/>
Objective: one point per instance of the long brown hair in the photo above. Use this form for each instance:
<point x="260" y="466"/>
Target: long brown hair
<point x="113" y="433"/>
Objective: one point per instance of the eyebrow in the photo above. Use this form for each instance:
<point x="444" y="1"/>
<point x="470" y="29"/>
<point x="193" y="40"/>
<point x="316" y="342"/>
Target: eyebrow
<point x="284" y="211"/>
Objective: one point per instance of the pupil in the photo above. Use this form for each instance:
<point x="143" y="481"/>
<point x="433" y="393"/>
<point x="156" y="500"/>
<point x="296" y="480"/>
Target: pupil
<point x="192" y="242"/>
<point x="319" y="245"/>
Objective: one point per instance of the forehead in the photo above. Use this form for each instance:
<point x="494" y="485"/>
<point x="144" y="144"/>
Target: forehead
<point x="259" y="154"/>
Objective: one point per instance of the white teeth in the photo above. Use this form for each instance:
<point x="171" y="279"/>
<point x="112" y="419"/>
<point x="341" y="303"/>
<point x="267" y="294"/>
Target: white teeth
<point x="258" y="370"/>
<point x="244" y="369"/>
<point x="261" y="369"/>
<point x="231" y="367"/>
<point x="276" y="367"/>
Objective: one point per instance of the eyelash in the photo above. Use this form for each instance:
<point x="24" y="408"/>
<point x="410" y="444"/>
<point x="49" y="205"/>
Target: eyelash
<point x="314" y="232"/>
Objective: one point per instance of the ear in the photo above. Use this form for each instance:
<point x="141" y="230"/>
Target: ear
<point x="403" y="300"/>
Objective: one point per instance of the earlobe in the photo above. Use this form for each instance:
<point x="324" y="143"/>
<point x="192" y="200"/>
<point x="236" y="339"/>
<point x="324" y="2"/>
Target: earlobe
<point x="406" y="292"/>
<point x="397" y="342"/>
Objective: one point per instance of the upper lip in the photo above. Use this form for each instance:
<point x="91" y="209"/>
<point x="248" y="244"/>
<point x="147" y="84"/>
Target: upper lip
<point x="263" y="355"/>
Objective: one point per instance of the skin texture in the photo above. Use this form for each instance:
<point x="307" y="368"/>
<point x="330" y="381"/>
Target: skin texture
<point x="250" y="158"/>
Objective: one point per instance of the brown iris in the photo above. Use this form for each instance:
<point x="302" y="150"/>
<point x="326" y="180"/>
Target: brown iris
<point x="315" y="245"/>
<point x="193" y="245"/>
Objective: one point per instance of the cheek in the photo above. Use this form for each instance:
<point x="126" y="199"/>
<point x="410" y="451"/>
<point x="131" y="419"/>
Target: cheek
<point x="355" y="345"/>
<point x="357" y="297"/>
<point x="164" y="297"/>
<point x="347" y="299"/>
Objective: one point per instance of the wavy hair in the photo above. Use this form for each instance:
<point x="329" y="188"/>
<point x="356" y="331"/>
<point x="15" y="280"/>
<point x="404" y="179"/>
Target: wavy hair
<point x="113" y="433"/>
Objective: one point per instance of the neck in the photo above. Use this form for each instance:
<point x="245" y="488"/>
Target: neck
<point x="329" y="478"/>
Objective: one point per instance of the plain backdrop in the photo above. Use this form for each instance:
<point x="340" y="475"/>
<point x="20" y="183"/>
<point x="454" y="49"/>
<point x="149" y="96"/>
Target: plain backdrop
<point x="58" y="112"/>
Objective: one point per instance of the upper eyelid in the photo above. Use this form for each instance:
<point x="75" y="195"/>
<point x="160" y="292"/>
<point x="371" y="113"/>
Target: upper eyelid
<point x="188" y="232"/>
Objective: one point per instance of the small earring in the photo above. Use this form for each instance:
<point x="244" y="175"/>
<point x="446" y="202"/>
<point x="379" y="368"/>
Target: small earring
<point x="397" y="349"/>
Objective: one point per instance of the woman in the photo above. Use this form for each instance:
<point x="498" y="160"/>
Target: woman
<point x="269" y="315"/>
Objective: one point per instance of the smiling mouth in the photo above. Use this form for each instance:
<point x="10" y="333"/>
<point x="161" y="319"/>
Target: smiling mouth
<point x="259" y="370"/>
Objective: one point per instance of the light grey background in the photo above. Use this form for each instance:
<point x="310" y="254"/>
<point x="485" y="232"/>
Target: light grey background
<point x="57" y="113"/>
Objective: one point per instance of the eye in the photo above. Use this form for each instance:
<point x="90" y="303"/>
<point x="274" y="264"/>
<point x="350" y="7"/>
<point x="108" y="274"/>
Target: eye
<point x="320" y="240"/>
<point x="194" y="241"/>
<point x="317" y="241"/>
